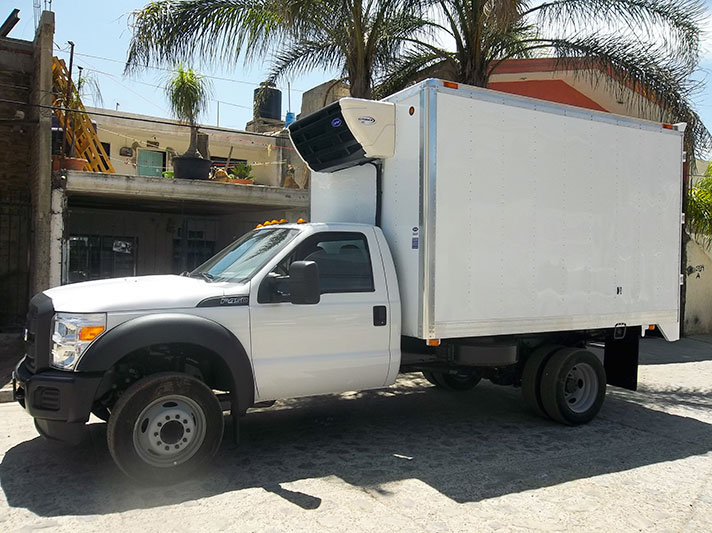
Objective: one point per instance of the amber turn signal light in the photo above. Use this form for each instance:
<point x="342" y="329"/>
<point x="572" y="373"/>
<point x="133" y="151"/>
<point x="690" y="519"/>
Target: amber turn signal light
<point x="89" y="333"/>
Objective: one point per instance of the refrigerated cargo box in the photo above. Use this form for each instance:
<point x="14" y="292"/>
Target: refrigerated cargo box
<point x="511" y="215"/>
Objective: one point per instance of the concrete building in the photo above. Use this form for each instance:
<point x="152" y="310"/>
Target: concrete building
<point x="140" y="145"/>
<point x="68" y="226"/>
<point x="137" y="221"/>
<point x="25" y="167"/>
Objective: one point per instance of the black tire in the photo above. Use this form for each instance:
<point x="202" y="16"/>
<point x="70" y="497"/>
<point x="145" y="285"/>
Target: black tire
<point x="430" y="377"/>
<point x="164" y="427"/>
<point x="573" y="386"/>
<point x="459" y="380"/>
<point x="531" y="378"/>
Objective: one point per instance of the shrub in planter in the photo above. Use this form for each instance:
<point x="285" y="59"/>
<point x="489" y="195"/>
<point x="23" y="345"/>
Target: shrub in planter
<point x="188" y="94"/>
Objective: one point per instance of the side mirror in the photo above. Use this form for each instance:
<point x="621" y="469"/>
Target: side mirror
<point x="304" y="283"/>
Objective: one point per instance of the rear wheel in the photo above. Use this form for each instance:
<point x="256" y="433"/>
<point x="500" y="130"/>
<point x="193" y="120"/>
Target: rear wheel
<point x="573" y="386"/>
<point x="163" y="427"/>
<point x="531" y="378"/>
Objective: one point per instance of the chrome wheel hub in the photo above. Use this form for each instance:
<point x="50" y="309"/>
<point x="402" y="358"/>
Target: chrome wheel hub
<point x="169" y="431"/>
<point x="581" y="388"/>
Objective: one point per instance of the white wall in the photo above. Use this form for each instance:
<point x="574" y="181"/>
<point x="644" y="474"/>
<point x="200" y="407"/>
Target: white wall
<point x="698" y="290"/>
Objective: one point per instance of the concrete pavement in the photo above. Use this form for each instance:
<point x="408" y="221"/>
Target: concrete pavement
<point x="408" y="458"/>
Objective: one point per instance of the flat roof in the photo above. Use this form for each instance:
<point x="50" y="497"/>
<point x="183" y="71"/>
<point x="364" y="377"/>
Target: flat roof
<point x="145" y="192"/>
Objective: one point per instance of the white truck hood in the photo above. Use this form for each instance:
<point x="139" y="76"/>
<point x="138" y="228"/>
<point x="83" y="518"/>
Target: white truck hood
<point x="139" y="294"/>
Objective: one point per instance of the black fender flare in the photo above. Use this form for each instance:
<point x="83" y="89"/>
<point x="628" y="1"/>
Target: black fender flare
<point x="171" y="328"/>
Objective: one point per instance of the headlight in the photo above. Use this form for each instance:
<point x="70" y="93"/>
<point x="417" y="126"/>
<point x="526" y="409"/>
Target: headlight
<point x="71" y="336"/>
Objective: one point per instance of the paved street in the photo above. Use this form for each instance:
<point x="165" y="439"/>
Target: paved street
<point x="409" y="458"/>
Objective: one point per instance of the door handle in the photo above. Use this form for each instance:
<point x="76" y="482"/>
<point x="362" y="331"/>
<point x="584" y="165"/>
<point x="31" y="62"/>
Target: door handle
<point x="379" y="315"/>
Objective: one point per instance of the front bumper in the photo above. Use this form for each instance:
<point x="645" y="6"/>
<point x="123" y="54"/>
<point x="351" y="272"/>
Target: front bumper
<point x="60" y="402"/>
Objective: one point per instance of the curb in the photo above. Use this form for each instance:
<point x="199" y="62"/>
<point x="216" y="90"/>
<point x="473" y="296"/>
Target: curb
<point x="6" y="395"/>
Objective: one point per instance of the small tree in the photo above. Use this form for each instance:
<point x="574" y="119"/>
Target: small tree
<point x="188" y="94"/>
<point x="699" y="210"/>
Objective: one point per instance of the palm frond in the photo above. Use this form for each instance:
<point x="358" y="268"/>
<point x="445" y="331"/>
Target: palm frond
<point x="678" y="22"/>
<point x="304" y="56"/>
<point x="215" y="31"/>
<point x="418" y="64"/>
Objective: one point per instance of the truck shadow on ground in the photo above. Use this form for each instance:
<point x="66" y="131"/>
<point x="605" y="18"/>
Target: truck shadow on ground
<point x="468" y="446"/>
<point x="692" y="349"/>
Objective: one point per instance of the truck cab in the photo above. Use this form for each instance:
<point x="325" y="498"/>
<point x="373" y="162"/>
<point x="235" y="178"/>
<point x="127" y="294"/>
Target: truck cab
<point x="287" y="310"/>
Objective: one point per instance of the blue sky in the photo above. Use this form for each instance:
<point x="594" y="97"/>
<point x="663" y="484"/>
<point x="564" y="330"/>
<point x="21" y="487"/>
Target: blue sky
<point x="100" y="32"/>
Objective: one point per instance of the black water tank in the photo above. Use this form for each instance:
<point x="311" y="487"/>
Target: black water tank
<point x="271" y="105"/>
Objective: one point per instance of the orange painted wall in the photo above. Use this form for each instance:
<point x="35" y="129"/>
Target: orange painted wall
<point x="551" y="90"/>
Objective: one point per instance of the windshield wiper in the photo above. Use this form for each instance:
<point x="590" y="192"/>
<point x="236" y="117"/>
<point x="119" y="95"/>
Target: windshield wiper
<point x="205" y="275"/>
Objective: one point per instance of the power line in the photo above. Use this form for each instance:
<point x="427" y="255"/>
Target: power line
<point x="146" y="120"/>
<point x="92" y="69"/>
<point x="164" y="69"/>
<point x="113" y="78"/>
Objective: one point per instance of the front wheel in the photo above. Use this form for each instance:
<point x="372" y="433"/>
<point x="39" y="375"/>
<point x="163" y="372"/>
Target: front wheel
<point x="163" y="427"/>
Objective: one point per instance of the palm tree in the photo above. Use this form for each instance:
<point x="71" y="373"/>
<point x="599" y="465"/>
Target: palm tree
<point x="358" y="38"/>
<point x="188" y="94"/>
<point x="649" y="46"/>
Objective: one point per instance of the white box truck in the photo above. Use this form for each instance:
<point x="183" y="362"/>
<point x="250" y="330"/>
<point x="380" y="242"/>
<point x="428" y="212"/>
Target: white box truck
<point x="458" y="232"/>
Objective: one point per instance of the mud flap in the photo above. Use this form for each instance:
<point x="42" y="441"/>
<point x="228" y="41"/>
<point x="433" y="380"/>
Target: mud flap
<point x="621" y="359"/>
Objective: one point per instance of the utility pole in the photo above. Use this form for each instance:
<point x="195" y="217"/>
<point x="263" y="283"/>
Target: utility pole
<point x="68" y="97"/>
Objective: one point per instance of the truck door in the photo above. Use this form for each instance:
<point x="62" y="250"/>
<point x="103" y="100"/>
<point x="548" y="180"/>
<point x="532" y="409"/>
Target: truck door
<point x="340" y="344"/>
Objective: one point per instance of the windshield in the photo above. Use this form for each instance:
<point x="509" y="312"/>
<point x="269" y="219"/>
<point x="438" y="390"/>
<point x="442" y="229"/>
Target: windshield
<point x="244" y="257"/>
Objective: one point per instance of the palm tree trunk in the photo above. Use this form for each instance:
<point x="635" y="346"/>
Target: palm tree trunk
<point x="360" y="86"/>
<point x="193" y="147"/>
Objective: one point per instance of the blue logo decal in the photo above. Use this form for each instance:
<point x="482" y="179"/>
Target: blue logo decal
<point x="336" y="123"/>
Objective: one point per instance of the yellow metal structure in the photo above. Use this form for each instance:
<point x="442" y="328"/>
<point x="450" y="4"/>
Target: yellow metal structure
<point x="76" y="123"/>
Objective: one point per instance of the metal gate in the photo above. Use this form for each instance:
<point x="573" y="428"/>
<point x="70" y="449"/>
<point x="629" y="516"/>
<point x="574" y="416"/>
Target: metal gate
<point x="15" y="223"/>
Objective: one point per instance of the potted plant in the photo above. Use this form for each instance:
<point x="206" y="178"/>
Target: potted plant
<point x="188" y="94"/>
<point x="242" y="173"/>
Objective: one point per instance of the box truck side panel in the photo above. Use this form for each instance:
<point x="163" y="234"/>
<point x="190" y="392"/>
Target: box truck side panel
<point x="548" y="218"/>
<point x="401" y="213"/>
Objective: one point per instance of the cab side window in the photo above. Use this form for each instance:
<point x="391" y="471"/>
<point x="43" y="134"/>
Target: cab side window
<point x="344" y="261"/>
